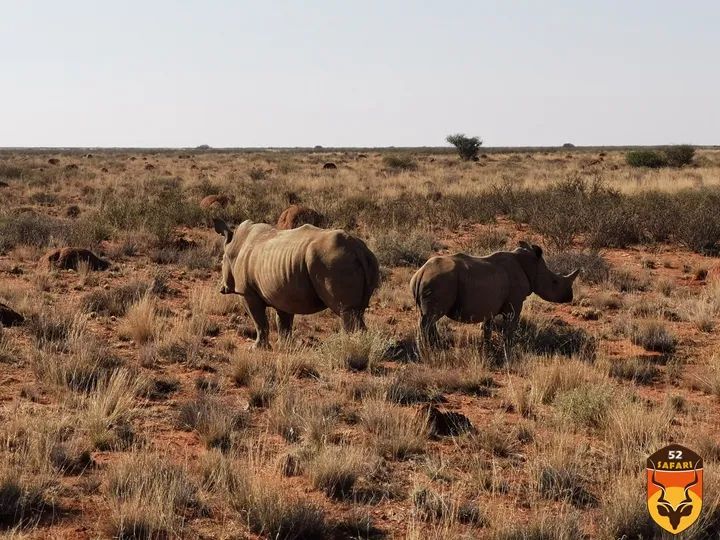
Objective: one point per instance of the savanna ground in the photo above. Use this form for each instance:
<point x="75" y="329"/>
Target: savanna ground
<point x="132" y="406"/>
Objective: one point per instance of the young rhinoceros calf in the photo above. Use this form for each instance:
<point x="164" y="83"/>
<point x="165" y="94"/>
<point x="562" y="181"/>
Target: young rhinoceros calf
<point x="298" y="271"/>
<point x="476" y="289"/>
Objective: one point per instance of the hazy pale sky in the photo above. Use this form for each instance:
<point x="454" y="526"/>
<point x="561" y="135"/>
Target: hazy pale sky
<point x="358" y="73"/>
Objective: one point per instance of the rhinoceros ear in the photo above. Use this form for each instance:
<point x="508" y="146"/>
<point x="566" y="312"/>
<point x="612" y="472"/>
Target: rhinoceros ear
<point x="534" y="248"/>
<point x="523" y="244"/>
<point x="222" y="228"/>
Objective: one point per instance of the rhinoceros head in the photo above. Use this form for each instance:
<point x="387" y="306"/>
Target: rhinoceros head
<point x="228" y="281"/>
<point x="545" y="283"/>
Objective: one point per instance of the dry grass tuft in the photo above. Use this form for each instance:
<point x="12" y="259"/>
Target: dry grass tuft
<point x="212" y="420"/>
<point x="149" y="496"/>
<point x="109" y="409"/>
<point x="396" y="431"/>
<point x="335" y="469"/>
<point x="586" y="405"/>
<point x="141" y="323"/>
<point x="357" y="351"/>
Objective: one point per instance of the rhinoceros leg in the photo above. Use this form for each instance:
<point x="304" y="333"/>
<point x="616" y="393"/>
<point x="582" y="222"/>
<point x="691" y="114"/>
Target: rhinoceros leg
<point x="488" y="327"/>
<point x="428" y="329"/>
<point x="353" y="320"/>
<point x="285" y="324"/>
<point x="511" y="315"/>
<point x="257" y="309"/>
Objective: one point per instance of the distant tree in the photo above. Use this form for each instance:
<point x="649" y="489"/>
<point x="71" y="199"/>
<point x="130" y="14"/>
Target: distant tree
<point x="568" y="145"/>
<point x="203" y="147"/>
<point x="467" y="147"/>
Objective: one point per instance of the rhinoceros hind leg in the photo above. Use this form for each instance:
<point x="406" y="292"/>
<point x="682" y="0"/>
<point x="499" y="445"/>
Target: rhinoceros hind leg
<point x="285" y="324"/>
<point x="257" y="309"/>
<point x="428" y="330"/>
<point x="353" y="320"/>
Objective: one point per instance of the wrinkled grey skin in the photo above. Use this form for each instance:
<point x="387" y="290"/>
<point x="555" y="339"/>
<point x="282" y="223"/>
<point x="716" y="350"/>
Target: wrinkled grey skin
<point x="476" y="289"/>
<point x="298" y="271"/>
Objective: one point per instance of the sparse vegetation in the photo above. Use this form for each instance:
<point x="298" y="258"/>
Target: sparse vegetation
<point x="132" y="393"/>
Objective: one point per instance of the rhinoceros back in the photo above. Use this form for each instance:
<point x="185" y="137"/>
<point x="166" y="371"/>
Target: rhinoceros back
<point x="307" y="269"/>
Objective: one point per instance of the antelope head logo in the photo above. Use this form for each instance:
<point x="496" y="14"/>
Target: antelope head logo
<point x="684" y="507"/>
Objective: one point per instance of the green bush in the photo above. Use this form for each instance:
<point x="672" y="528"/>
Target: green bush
<point x="679" y="155"/>
<point x="467" y="147"/>
<point x="646" y="158"/>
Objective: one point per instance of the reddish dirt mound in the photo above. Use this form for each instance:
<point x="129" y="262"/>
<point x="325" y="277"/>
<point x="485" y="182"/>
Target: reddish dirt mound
<point x="69" y="258"/>
<point x="53" y="161"/>
<point x="330" y="166"/>
<point x="9" y="317"/>
<point x="215" y="201"/>
<point x="294" y="216"/>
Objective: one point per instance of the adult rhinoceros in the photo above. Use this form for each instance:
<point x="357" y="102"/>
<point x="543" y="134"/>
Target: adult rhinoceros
<point x="298" y="271"/>
<point x="476" y="289"/>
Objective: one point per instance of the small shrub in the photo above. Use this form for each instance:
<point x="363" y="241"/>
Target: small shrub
<point x="554" y="377"/>
<point x="243" y="367"/>
<point x="626" y="281"/>
<point x="358" y="351"/>
<point x="396" y="248"/>
<point x="141" y="322"/>
<point x="295" y="418"/>
<point x="213" y="421"/>
<point x="117" y="300"/>
<point x="30" y="229"/>
<point x="397" y="432"/>
<point x="149" y="497"/>
<point x="585" y="406"/>
<point x="553" y="337"/>
<point x="110" y="407"/>
<point x="410" y="386"/>
<point x="677" y="156"/>
<point x="637" y="370"/>
<point x="624" y="511"/>
<point x="336" y="469"/>
<point x="646" y="158"/>
<point x="562" y="526"/>
<point x="496" y="439"/>
<point x="399" y="162"/>
<point x="560" y="483"/>
<point x="443" y="508"/>
<point x="653" y="336"/>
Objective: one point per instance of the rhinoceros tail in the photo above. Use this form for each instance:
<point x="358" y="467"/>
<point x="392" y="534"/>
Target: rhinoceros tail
<point x="415" y="287"/>
<point x="371" y="271"/>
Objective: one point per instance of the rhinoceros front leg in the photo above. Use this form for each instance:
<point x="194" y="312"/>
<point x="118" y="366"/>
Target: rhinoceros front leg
<point x="285" y="324"/>
<point x="257" y="309"/>
<point x="488" y="327"/>
<point x="511" y="316"/>
<point x="353" y="320"/>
